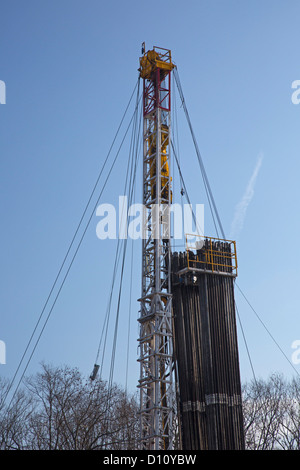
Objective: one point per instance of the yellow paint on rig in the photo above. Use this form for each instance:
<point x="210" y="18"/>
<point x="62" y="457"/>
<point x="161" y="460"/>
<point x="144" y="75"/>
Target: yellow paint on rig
<point x="219" y="259"/>
<point x="164" y="166"/>
<point x="153" y="60"/>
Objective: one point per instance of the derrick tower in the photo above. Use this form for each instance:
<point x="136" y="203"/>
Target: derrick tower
<point x="155" y="340"/>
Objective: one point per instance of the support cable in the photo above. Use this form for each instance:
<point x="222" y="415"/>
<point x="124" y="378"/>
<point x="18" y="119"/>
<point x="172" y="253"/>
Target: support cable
<point x="129" y="317"/>
<point x="68" y="251"/>
<point x="175" y="145"/>
<point x="267" y="330"/>
<point x="185" y="190"/>
<point x="211" y="198"/>
<point x="131" y="185"/>
<point x="133" y="167"/>
<point x="104" y="334"/>
<point x="129" y="305"/>
<point x="246" y="345"/>
<point x="201" y="164"/>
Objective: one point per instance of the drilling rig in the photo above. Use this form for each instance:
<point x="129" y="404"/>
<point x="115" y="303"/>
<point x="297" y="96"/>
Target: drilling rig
<point x="155" y="341"/>
<point x="187" y="307"/>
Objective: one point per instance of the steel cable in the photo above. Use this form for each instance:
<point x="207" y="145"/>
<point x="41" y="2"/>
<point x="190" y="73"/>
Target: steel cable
<point x="213" y="206"/>
<point x="67" y="254"/>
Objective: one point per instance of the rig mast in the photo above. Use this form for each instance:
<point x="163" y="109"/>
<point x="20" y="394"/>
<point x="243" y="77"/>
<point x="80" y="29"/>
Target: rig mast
<point x="156" y="336"/>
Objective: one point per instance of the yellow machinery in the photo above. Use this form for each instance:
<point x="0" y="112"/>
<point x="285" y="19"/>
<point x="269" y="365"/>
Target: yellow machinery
<point x="154" y="60"/>
<point x="164" y="167"/>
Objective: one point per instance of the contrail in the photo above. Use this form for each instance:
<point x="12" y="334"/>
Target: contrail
<point x="241" y="208"/>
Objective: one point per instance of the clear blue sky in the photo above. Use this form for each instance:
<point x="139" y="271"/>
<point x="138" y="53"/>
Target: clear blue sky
<point x="70" y="67"/>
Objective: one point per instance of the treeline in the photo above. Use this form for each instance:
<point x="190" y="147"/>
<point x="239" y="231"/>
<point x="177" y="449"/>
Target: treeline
<point x="59" y="409"/>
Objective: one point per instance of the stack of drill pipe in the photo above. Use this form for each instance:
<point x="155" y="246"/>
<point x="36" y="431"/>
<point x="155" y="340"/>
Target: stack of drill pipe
<point x="206" y="352"/>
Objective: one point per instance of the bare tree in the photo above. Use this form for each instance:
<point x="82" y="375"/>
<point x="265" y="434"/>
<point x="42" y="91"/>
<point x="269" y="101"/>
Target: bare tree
<point x="290" y="422"/>
<point x="75" y="413"/>
<point x="69" y="412"/>
<point x="14" y="420"/>
<point x="271" y="412"/>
